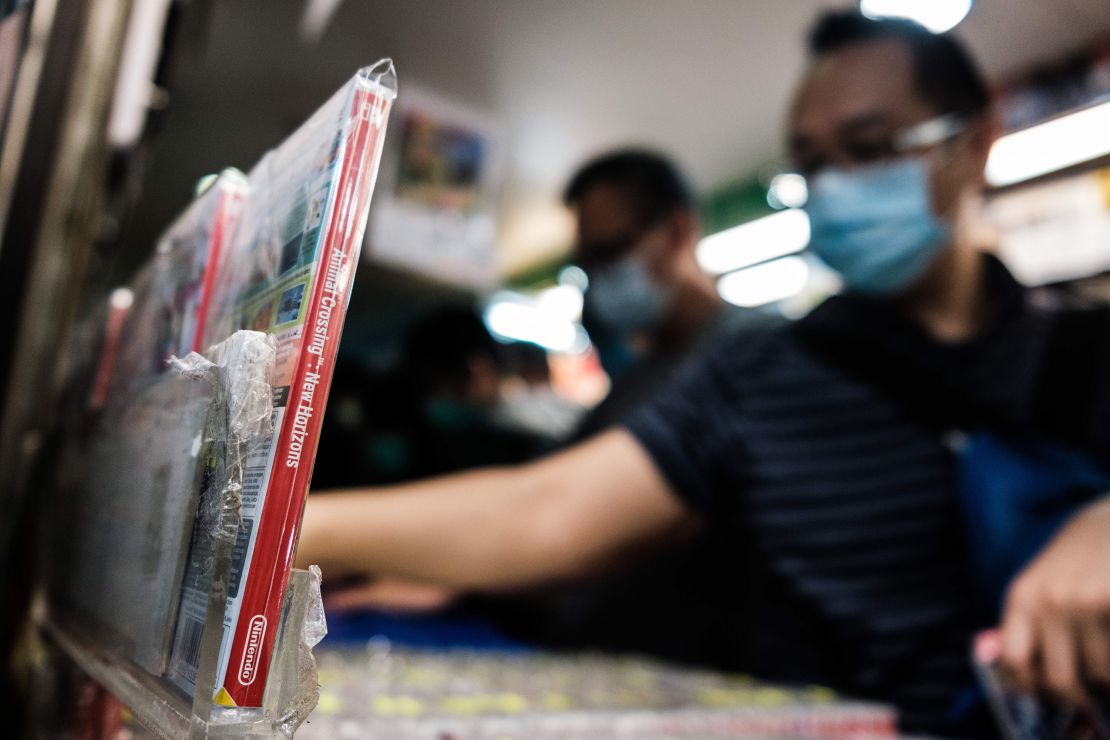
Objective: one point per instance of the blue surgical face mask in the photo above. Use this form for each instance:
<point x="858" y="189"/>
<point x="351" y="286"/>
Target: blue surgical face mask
<point x="875" y="225"/>
<point x="622" y="299"/>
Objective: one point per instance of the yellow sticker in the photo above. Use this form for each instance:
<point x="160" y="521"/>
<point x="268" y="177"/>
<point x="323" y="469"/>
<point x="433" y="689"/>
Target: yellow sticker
<point x="224" y="699"/>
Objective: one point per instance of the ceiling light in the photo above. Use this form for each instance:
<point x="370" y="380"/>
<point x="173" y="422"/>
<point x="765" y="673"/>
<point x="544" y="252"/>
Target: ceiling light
<point x="766" y="283"/>
<point x="936" y="15"/>
<point x="574" y="275"/>
<point x="515" y="318"/>
<point x="1050" y="146"/>
<point x="121" y="299"/>
<point x="787" y="190"/>
<point x="564" y="301"/>
<point x="757" y="241"/>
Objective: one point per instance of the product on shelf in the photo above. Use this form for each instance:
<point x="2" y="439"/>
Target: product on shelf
<point x="287" y="273"/>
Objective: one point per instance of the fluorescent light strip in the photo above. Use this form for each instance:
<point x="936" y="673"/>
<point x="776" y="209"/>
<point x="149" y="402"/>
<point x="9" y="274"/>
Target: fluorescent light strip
<point x="562" y="301"/>
<point x="936" y="15"/>
<point x="513" y="320"/>
<point x="1050" y="146"/>
<point x="765" y="283"/>
<point x="777" y="235"/>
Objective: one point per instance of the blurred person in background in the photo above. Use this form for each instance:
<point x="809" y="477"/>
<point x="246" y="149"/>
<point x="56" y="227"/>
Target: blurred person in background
<point x="649" y="306"/>
<point x="649" y="309"/>
<point x="475" y="410"/>
<point x="828" y="453"/>
<point x="467" y="400"/>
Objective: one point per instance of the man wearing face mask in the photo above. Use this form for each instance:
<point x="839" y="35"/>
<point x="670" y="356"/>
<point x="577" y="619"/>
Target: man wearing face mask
<point x="649" y="306"/>
<point x="825" y="453"/>
<point x="649" y="309"/>
<point x="894" y="176"/>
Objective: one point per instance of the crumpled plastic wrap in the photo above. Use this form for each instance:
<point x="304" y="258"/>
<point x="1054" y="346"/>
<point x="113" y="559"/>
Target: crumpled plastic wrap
<point x="314" y="627"/>
<point x="192" y="365"/>
<point x="247" y="358"/>
<point x="239" y="369"/>
<point x="315" y="622"/>
<point x="293" y="688"/>
<point x="243" y="362"/>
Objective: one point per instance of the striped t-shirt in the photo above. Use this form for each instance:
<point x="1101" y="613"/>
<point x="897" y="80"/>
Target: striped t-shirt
<point x="838" y="488"/>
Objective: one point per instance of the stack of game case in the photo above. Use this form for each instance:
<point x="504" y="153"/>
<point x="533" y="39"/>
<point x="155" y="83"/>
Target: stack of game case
<point x="133" y="474"/>
<point x="383" y="692"/>
<point x="211" y="416"/>
<point x="288" y="273"/>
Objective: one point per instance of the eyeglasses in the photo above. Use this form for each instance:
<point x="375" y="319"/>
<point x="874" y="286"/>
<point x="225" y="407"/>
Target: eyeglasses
<point x="788" y="184"/>
<point x="866" y="150"/>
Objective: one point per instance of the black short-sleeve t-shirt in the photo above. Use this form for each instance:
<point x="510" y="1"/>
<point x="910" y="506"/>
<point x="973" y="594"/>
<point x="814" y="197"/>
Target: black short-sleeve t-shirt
<point x="836" y="482"/>
<point x="842" y="514"/>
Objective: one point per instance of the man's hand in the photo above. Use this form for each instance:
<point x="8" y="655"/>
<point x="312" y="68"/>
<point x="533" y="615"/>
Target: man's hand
<point x="1056" y="626"/>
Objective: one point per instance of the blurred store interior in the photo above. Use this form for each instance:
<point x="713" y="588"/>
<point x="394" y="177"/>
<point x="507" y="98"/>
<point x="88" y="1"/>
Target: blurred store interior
<point x="542" y="87"/>
<point x="464" y="344"/>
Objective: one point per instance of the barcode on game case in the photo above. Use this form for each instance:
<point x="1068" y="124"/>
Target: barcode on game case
<point x="187" y="649"/>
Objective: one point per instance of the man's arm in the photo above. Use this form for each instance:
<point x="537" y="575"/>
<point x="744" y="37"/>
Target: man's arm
<point x="561" y="516"/>
<point x="1056" y="625"/>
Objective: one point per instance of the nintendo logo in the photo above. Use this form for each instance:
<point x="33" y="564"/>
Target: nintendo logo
<point x="256" y="631"/>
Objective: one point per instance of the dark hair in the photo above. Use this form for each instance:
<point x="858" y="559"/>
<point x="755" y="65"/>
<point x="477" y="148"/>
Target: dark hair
<point x="438" y="348"/>
<point x="944" y="72"/>
<point x="651" y="183"/>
